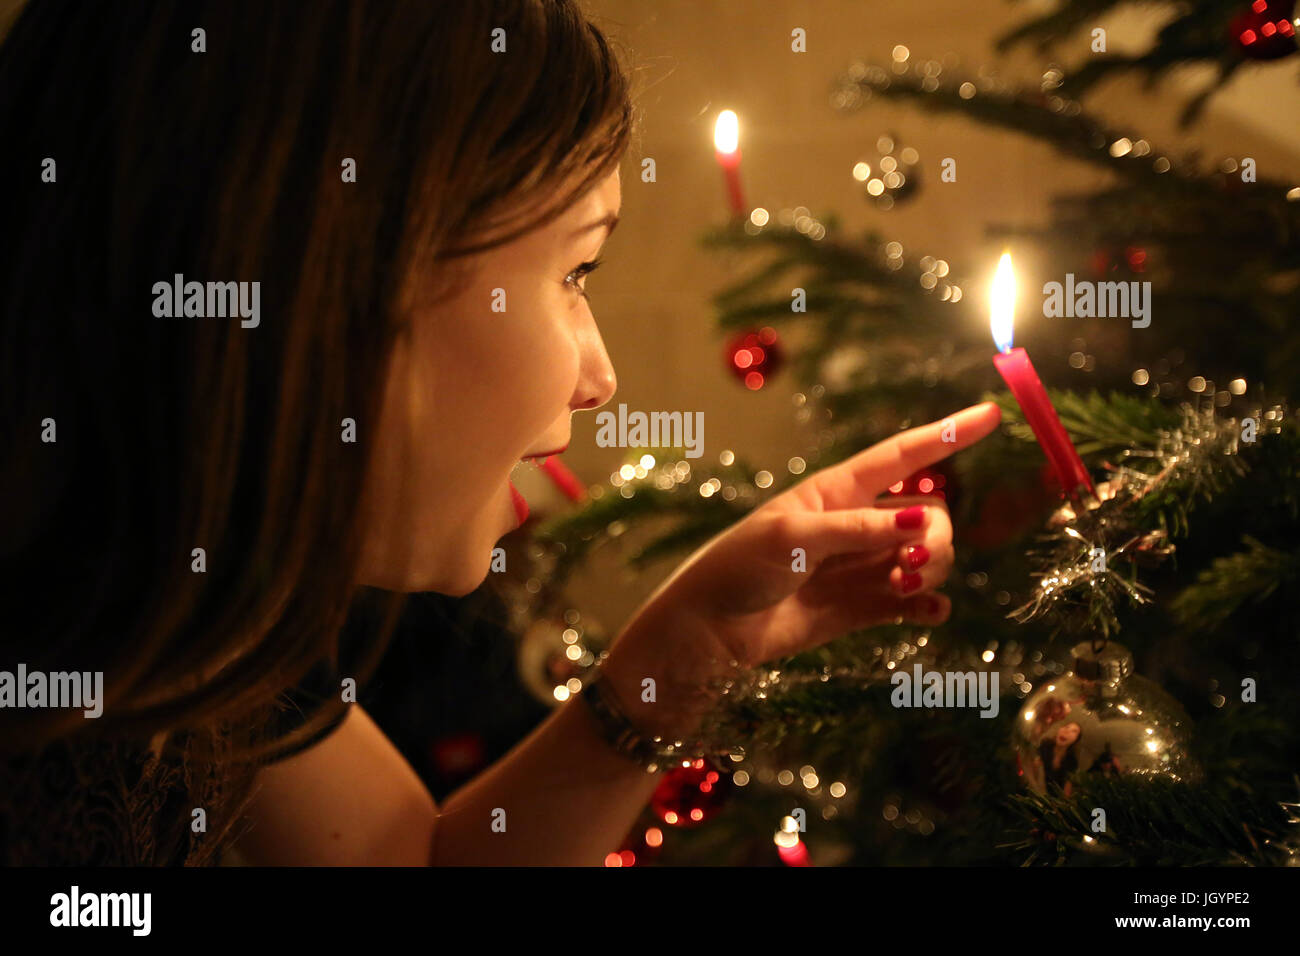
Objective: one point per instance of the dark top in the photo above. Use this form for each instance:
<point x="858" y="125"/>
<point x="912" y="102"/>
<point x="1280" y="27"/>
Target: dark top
<point x="116" y="803"/>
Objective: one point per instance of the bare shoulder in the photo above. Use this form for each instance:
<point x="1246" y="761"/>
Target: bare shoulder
<point x="350" y="800"/>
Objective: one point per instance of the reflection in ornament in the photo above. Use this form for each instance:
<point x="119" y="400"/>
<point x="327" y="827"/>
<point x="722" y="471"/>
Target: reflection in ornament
<point x="1100" y="717"/>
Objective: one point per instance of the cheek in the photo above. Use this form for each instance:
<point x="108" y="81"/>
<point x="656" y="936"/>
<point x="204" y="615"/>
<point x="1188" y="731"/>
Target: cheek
<point x="537" y="345"/>
<point x="551" y="370"/>
<point x="464" y="400"/>
<point x="509" y="377"/>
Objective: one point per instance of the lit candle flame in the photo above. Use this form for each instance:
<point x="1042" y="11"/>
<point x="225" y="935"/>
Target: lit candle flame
<point x="1002" y="304"/>
<point x="726" y="132"/>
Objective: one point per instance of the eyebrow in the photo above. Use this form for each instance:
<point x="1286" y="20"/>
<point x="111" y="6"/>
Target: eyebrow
<point x="609" y="219"/>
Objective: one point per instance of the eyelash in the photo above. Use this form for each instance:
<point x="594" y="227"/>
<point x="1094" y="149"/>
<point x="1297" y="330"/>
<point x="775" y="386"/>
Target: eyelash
<point x="585" y="269"/>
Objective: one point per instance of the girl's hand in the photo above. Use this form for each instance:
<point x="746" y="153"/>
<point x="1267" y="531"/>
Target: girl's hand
<point x="819" y="560"/>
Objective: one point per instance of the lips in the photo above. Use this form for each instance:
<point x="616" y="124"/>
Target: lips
<point x="521" y="506"/>
<point x="545" y="454"/>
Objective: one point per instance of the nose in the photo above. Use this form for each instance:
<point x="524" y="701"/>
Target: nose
<point x="596" y="379"/>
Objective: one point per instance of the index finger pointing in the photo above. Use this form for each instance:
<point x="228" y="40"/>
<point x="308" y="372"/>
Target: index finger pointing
<point x="868" y="473"/>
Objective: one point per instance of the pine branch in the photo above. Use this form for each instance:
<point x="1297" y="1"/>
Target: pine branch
<point x="1098" y="424"/>
<point x="1252" y="574"/>
<point x="1152" y="822"/>
<point x="691" y="518"/>
<point x="1198" y="33"/>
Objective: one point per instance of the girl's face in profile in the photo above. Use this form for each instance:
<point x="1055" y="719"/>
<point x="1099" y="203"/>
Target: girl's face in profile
<point x="472" y="391"/>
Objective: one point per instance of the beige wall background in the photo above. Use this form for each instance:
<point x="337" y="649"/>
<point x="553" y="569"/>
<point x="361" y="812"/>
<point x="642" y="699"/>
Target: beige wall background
<point x="693" y="58"/>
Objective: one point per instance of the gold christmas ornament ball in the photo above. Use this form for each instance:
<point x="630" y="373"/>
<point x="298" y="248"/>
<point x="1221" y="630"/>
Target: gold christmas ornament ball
<point x="1101" y="717"/>
<point x="554" y="654"/>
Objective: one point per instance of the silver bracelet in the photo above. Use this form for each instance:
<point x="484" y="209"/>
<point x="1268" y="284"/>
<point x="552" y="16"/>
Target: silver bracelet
<point x="653" y="753"/>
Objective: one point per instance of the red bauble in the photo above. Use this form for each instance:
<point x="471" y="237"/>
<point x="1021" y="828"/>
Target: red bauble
<point x="690" y="795"/>
<point x="754" y="357"/>
<point x="1129" y="260"/>
<point x="457" y="757"/>
<point x="1265" y="30"/>
<point x="1013" y="509"/>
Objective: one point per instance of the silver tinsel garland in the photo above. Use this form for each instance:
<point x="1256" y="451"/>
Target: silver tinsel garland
<point x="1087" y="565"/>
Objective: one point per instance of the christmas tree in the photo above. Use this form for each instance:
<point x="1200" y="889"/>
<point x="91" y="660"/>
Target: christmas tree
<point x="1142" y="633"/>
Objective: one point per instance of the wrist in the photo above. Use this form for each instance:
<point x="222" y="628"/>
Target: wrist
<point x="665" y="679"/>
<point x="624" y="737"/>
<point x="653" y="751"/>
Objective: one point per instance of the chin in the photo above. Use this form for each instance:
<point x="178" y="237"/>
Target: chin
<point x="461" y="579"/>
<point x="454" y="563"/>
<point x="456" y="578"/>
<point x="460" y="587"/>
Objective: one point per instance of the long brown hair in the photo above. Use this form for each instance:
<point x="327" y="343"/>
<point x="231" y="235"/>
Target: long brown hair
<point x="176" y="434"/>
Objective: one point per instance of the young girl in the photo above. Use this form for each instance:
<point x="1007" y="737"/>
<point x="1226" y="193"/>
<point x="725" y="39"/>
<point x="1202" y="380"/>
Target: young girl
<point x="252" y="369"/>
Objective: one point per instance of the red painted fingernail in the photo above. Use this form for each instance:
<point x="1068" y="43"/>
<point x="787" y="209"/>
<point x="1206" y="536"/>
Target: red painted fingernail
<point x="933" y="605"/>
<point x="910" y="518"/>
<point x="911" y="581"/>
<point x="917" y="555"/>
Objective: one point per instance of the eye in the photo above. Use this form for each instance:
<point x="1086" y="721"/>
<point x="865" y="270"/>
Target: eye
<point x="586" y="268"/>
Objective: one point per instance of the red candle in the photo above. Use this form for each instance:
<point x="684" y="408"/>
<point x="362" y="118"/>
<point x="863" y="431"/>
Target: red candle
<point x="564" y="478"/>
<point x="726" y="141"/>
<point x="796" y="855"/>
<point x="1018" y="372"/>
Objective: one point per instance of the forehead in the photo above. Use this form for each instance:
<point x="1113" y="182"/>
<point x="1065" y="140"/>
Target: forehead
<point x="604" y="197"/>
<point x="562" y="235"/>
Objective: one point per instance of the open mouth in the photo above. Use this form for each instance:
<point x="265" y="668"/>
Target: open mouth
<point x="546" y="461"/>
<point x="538" y="460"/>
